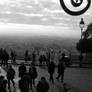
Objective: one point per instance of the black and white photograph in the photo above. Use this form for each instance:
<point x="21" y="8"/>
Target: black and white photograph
<point x="45" y="45"/>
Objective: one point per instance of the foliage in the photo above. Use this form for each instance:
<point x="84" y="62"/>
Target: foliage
<point x="85" y="44"/>
<point x="88" y="32"/>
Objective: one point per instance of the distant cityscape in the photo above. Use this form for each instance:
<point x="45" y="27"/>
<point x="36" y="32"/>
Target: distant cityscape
<point x="22" y="44"/>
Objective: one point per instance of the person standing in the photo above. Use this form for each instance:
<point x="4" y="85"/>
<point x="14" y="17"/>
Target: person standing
<point x="10" y="76"/>
<point x="80" y="59"/>
<point x="22" y="70"/>
<point x="51" y="70"/>
<point x="1" y="52"/>
<point x="13" y="56"/>
<point x="48" y="57"/>
<point x="43" y="85"/>
<point x="24" y="83"/>
<point x="3" y="84"/>
<point x="26" y="55"/>
<point x="52" y="55"/>
<point x="5" y="57"/>
<point x="33" y="57"/>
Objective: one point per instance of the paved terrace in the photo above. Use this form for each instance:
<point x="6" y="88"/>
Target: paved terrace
<point x="78" y="79"/>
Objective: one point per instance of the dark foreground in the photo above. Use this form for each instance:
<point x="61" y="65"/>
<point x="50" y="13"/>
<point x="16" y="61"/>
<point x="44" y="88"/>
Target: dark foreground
<point x="78" y="79"/>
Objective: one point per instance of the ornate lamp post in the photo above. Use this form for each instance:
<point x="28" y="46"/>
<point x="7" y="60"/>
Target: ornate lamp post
<point x="81" y="25"/>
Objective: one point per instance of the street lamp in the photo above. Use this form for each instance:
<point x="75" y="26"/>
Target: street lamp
<point x="81" y="25"/>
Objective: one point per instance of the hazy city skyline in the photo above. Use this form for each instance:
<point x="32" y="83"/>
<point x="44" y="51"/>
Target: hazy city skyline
<point x="39" y="17"/>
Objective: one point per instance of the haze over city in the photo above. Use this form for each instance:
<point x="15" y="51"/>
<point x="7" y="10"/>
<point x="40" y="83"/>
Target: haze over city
<point x="39" y="17"/>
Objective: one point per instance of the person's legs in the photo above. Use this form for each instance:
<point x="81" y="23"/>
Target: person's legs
<point x="34" y="82"/>
<point x="8" y="83"/>
<point x="30" y="83"/>
<point x="58" y="76"/>
<point x="51" y="78"/>
<point x="13" y="82"/>
<point x="62" y="77"/>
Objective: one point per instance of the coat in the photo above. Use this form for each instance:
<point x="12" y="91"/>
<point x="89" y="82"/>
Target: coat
<point x="33" y="72"/>
<point x="42" y="86"/>
<point x="51" y="68"/>
<point x="10" y="73"/>
<point x="24" y="83"/>
<point x="22" y="70"/>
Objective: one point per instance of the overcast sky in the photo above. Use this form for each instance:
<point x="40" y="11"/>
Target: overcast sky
<point x="39" y="17"/>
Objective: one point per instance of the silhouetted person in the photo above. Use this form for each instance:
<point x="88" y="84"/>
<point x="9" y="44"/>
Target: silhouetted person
<point x="61" y="68"/>
<point x="10" y="76"/>
<point x="52" y="55"/>
<point x="24" y="83"/>
<point x="40" y="59"/>
<point x="42" y="85"/>
<point x="0" y="53"/>
<point x="44" y="58"/>
<point x="26" y="55"/>
<point x="70" y="57"/>
<point x="51" y="70"/>
<point x="22" y="70"/>
<point x="33" y="75"/>
<point x="3" y="84"/>
<point x="13" y="56"/>
<point x="5" y="57"/>
<point x="63" y="58"/>
<point x="48" y="57"/>
<point x="80" y="59"/>
<point x="33" y="57"/>
<point x="1" y="57"/>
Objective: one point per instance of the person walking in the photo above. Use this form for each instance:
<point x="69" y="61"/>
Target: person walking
<point x="43" y="85"/>
<point x="33" y="75"/>
<point x="10" y="76"/>
<point x="61" y="68"/>
<point x="51" y="70"/>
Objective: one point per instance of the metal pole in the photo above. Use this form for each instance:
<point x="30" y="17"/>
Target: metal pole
<point x="81" y="33"/>
<point x="81" y="52"/>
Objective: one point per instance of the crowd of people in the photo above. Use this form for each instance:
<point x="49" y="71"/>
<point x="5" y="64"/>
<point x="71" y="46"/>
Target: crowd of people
<point x="27" y="77"/>
<point x="42" y="56"/>
<point x="4" y="56"/>
<point x="26" y="82"/>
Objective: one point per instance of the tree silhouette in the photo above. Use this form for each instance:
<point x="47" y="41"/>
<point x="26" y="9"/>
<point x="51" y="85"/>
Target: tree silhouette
<point x="85" y="45"/>
<point x="88" y="32"/>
